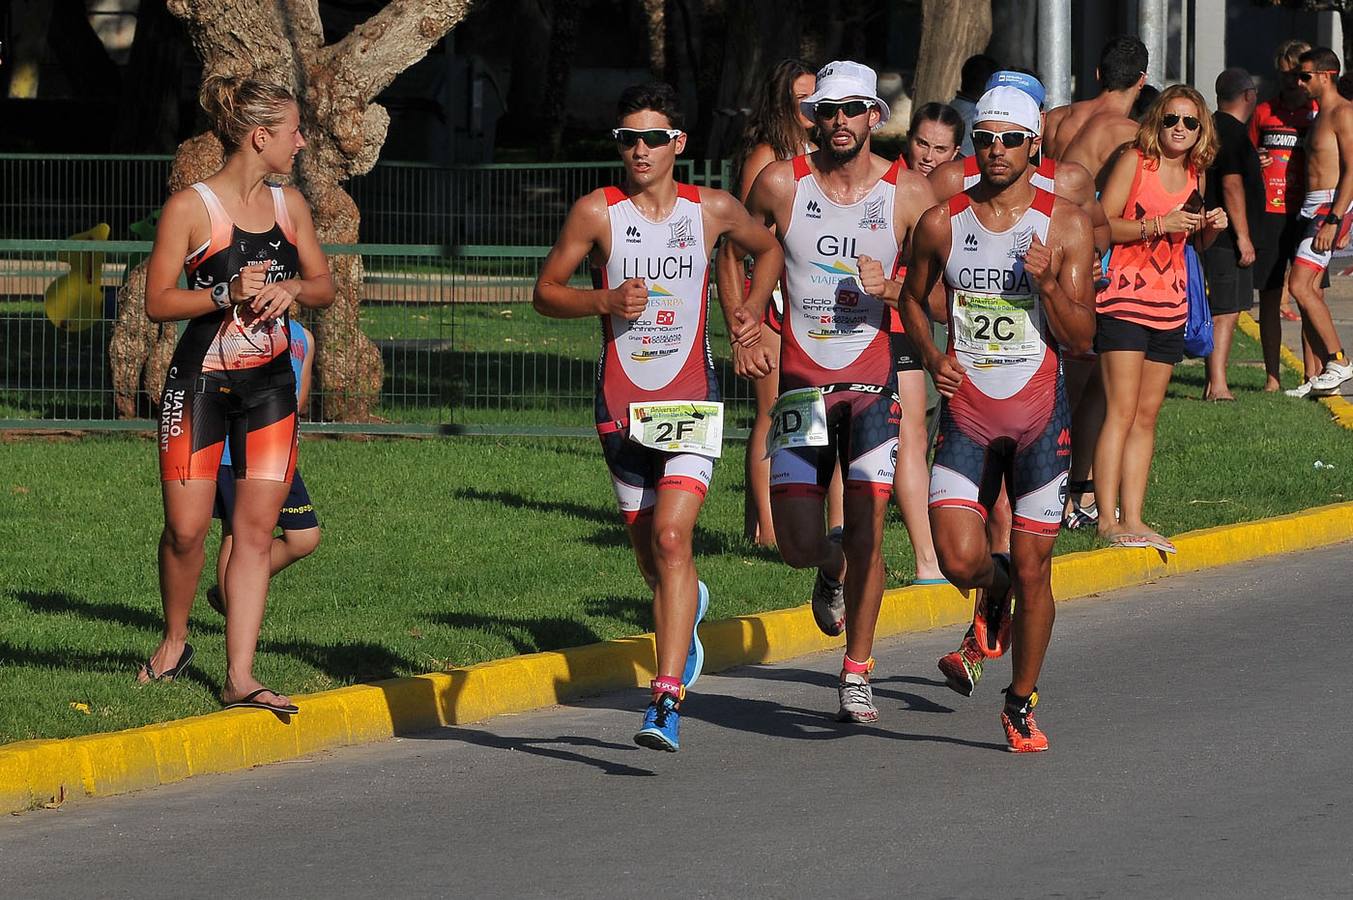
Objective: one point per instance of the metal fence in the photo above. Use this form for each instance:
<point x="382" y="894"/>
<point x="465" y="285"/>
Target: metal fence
<point x="450" y="255"/>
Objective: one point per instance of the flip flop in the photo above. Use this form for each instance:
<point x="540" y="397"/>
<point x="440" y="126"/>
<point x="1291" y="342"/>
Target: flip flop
<point x="925" y="581"/>
<point x="1127" y="541"/>
<point x="170" y="674"/>
<point x="1159" y="542"/>
<point x="248" y="701"/>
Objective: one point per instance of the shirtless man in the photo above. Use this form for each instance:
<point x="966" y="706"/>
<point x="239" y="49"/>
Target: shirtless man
<point x="1325" y="213"/>
<point x="1017" y="266"/>
<point x="657" y="412"/>
<point x="839" y="211"/>
<point x="1090" y="132"/>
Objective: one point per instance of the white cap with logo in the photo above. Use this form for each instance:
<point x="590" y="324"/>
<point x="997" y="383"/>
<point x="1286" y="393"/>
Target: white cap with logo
<point x="845" y="80"/>
<point x="1008" y="104"/>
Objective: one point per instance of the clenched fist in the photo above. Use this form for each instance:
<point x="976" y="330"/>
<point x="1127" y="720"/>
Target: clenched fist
<point x="629" y="300"/>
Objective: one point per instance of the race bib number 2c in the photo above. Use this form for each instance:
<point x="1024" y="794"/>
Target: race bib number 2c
<point x="678" y="426"/>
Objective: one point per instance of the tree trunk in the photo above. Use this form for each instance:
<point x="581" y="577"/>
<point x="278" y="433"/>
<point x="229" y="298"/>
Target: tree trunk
<point x="152" y="101"/>
<point x="757" y="36"/>
<point x="951" y="31"/>
<point x="558" y="63"/>
<point x="655" y="13"/>
<point x="283" y="41"/>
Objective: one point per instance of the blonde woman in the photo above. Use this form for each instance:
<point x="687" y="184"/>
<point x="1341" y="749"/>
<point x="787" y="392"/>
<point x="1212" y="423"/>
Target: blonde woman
<point x="1153" y="199"/>
<point x="249" y="251"/>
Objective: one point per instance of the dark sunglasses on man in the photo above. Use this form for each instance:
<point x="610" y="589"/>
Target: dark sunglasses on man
<point x="652" y="137"/>
<point x="982" y="138"/>
<point x="1304" y="77"/>
<point x="1170" y="120"/>
<point x="827" y="109"/>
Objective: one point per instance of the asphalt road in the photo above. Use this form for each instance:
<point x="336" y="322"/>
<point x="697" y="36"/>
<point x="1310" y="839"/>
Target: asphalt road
<point x="1200" y="733"/>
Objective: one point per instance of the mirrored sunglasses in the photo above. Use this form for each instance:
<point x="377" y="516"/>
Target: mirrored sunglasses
<point x="982" y="139"/>
<point x="827" y="109"/>
<point x="652" y="137"/>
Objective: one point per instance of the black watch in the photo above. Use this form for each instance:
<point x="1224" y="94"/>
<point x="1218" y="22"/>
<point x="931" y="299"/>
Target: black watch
<point x="220" y="294"/>
<point x="1333" y="218"/>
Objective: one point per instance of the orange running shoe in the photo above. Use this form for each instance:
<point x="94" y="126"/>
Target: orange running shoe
<point x="963" y="667"/>
<point x="1022" y="734"/>
<point x="993" y="612"/>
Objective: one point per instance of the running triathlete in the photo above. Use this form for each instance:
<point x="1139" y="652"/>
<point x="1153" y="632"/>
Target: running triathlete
<point x="657" y="403"/>
<point x="836" y="210"/>
<point x="1327" y="213"/>
<point x="1017" y="263"/>
<point x="249" y="251"/>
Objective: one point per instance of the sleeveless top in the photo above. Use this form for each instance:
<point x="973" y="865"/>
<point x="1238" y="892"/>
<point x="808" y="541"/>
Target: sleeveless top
<point x="664" y="354"/>
<point x="299" y="349"/>
<point x="997" y="328"/>
<point x="223" y="341"/>
<point x="834" y="332"/>
<point x="1044" y="175"/>
<point x="1281" y="130"/>
<point x="1148" y="279"/>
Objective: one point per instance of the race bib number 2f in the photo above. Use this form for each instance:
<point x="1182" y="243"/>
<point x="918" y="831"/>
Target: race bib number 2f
<point x="678" y="426"/>
<point x="798" y="419"/>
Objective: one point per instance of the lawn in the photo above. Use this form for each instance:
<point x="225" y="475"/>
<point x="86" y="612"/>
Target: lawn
<point x="445" y="552"/>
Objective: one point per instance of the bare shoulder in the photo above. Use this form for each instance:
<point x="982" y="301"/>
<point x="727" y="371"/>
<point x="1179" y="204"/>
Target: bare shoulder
<point x="947" y="179"/>
<point x="913" y="187"/>
<point x="1074" y="182"/>
<point x="934" y="220"/>
<point x="1068" y="216"/>
<point x="1342" y="116"/>
<point x="775" y="182"/>
<point x="719" y="203"/>
<point x="295" y="200"/>
<point x="590" y="206"/>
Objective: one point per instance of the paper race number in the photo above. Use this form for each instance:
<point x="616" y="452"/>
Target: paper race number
<point x="798" y="419"/>
<point x="678" y="426"/>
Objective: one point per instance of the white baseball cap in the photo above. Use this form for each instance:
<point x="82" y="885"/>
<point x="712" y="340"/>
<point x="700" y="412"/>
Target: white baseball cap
<point x="845" y="80"/>
<point x="1008" y="104"/>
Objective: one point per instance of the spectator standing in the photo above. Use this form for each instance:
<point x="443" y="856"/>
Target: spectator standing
<point x="1234" y="181"/>
<point x="972" y="82"/>
<point x="1278" y="130"/>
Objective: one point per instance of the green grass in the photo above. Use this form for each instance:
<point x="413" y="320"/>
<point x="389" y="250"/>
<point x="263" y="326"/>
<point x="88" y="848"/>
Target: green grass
<point x="441" y="553"/>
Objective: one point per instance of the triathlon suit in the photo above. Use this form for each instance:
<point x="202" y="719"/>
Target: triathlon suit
<point x="1314" y="208"/>
<point x="1148" y="279"/>
<point x="298" y="512"/>
<point x="229" y="376"/>
<point x="905" y="355"/>
<point x="1008" y="420"/>
<point x="836" y="338"/>
<point x="661" y="356"/>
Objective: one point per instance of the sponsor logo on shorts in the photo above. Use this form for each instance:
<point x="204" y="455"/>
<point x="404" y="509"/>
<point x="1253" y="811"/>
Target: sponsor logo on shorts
<point x="171" y="416"/>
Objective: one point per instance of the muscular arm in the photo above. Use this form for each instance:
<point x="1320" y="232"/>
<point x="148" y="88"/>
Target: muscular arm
<point x="1343" y="194"/>
<point x="583" y="230"/>
<point x="947" y="180"/>
<point x="1066" y="286"/>
<point x="929" y="246"/>
<point x="767" y="190"/>
<point x="914" y="195"/>
<point x="737" y="226"/>
<point x="1074" y="183"/>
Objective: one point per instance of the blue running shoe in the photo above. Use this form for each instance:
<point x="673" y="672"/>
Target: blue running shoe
<point x="661" y="721"/>
<point x="695" y="657"/>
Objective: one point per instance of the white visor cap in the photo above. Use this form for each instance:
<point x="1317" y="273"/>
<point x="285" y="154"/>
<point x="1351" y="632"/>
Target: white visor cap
<point x="1008" y="104"/>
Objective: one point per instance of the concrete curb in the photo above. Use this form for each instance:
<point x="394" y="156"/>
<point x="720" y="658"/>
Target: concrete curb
<point x="1340" y="408"/>
<point x="34" y="773"/>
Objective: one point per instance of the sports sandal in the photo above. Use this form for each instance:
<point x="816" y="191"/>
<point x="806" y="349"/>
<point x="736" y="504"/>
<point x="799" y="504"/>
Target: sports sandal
<point x="250" y="701"/>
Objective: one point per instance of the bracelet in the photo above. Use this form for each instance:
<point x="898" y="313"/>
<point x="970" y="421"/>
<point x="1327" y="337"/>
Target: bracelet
<point x="1143" y="229"/>
<point x="1159" y="228"/>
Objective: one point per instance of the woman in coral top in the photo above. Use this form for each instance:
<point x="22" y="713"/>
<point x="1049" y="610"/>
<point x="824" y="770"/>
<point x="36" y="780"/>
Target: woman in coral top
<point x="1153" y="198"/>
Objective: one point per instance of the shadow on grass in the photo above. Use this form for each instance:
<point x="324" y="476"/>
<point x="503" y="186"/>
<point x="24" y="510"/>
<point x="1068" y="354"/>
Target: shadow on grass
<point x="529" y="635"/>
<point x="349" y="661"/>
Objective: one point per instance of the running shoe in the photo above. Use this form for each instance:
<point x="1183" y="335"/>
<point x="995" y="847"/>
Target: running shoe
<point x="1022" y="734"/>
<point x="994" y="613"/>
<point x="1329" y="381"/>
<point x="963" y="668"/>
<point x="1301" y="391"/>
<point x="661" y="722"/>
<point x="695" y="657"/>
<point x="829" y="598"/>
<point x="857" y="700"/>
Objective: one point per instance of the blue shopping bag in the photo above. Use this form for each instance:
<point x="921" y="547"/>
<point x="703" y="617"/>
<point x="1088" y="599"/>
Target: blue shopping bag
<point x="1198" y="329"/>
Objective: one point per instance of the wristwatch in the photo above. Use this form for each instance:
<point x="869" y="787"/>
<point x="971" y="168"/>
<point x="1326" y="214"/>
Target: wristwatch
<point x="220" y="294"/>
<point x="1333" y="218"/>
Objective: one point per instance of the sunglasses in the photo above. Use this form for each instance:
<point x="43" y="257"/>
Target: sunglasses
<point x="1170" y="120"/>
<point x="827" y="109"/>
<point x="982" y="139"/>
<point x="1304" y="77"/>
<point x="652" y="137"/>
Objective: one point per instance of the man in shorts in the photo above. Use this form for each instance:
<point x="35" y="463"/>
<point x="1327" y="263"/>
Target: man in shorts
<point x="657" y="403"/>
<point x="1325" y="217"/>
<point x="838" y="210"/>
<point x="297" y="520"/>
<point x="1017" y="263"/>
<point x="1233" y="181"/>
<point x="1278" y="131"/>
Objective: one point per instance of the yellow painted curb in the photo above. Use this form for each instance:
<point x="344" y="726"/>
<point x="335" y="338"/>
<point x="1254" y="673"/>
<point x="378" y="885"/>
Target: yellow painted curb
<point x="1340" y="408"/>
<point x="36" y="772"/>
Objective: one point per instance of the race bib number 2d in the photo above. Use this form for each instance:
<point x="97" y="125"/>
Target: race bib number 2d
<point x="798" y="419"/>
<point x="678" y="426"/>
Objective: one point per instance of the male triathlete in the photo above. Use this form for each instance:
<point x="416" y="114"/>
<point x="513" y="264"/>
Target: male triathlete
<point x="657" y="408"/>
<point x="1017" y="264"/>
<point x="835" y="210"/>
<point x="1325" y="214"/>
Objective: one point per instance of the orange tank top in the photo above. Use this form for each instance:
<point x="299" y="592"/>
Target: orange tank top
<point x="1148" y="280"/>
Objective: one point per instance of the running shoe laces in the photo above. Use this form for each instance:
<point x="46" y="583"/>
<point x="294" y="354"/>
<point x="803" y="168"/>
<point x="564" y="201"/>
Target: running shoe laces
<point x="661" y="725"/>
<point x="962" y="668"/>
<point x="1022" y="734"/>
<point x="1329" y="381"/>
<point x="857" y="699"/>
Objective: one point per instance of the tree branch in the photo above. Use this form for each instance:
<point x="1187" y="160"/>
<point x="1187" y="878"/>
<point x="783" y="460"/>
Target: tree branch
<point x="398" y="36"/>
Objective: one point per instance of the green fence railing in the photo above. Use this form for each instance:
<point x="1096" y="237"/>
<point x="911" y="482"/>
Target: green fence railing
<point x="461" y="347"/>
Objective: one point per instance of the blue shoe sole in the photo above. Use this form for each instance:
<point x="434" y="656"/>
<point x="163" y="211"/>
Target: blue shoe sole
<point x="654" y="739"/>
<point x="695" y="658"/>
